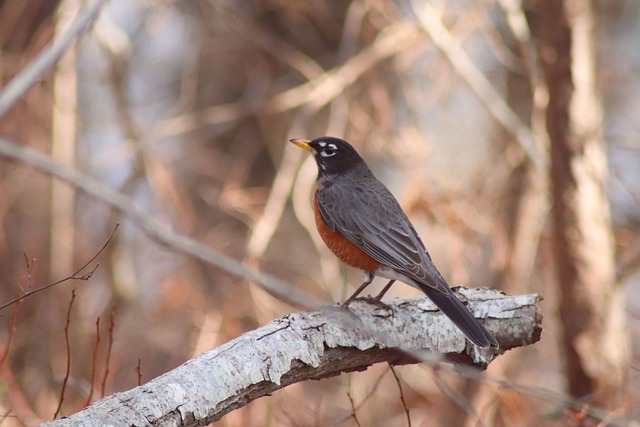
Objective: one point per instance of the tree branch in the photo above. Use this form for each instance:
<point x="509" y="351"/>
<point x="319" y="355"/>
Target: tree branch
<point x="48" y="57"/>
<point x="431" y="22"/>
<point x="314" y="345"/>
<point x="314" y="94"/>
<point x="150" y="225"/>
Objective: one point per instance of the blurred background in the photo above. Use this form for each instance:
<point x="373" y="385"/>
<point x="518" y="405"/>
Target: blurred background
<point x="186" y="107"/>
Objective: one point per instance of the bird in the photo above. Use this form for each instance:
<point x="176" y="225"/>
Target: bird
<point x="363" y="224"/>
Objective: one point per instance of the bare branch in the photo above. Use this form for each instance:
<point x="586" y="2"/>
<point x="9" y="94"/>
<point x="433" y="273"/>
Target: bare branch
<point x="404" y="403"/>
<point x="149" y="224"/>
<point x="354" y="414"/>
<point x="430" y="20"/>
<point x="48" y="57"/>
<point x="315" y="345"/>
<point x="105" y="375"/>
<point x="75" y="276"/>
<point x="94" y="364"/>
<point x="12" y="331"/>
<point x="369" y="395"/>
<point x="139" y="371"/>
<point x="68" y="347"/>
<point x="313" y="94"/>
<point x="29" y="269"/>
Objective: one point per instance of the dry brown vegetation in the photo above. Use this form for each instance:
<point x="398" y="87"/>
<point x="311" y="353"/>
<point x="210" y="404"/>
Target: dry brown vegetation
<point x="173" y="118"/>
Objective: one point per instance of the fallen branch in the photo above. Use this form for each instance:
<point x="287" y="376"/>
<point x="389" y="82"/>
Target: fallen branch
<point x="314" y="345"/>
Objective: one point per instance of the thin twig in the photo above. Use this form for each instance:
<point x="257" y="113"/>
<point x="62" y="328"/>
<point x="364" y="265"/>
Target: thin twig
<point x="12" y="330"/>
<point x="354" y="415"/>
<point x="462" y="402"/>
<point x="112" y="325"/>
<point x="373" y="390"/>
<point x="68" y="346"/>
<point x="49" y="56"/>
<point x="6" y="415"/>
<point x="139" y="371"/>
<point x="154" y="229"/>
<point x="29" y="269"/>
<point x="404" y="403"/>
<point x="94" y="364"/>
<point x="75" y="276"/>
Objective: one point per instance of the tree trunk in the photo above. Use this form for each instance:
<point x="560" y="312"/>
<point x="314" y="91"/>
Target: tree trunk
<point x="595" y="343"/>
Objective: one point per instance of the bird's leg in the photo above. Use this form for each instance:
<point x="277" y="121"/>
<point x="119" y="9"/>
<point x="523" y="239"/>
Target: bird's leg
<point x="384" y="290"/>
<point x="366" y="281"/>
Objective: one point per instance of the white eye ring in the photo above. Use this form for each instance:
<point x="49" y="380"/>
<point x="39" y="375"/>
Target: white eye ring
<point x="329" y="150"/>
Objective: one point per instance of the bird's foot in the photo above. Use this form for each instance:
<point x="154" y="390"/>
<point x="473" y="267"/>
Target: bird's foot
<point x="369" y="300"/>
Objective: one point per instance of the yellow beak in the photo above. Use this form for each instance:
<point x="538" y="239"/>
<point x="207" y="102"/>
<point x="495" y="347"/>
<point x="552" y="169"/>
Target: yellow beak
<point x="303" y="143"/>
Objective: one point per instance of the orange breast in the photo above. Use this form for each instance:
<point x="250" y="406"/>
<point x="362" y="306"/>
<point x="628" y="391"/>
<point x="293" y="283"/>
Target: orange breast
<point x="346" y="251"/>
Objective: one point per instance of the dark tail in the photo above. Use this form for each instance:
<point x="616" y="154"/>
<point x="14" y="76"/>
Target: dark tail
<point x="461" y="316"/>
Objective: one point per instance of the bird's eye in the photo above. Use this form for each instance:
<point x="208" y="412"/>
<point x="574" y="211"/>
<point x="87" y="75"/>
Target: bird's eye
<point x="329" y="151"/>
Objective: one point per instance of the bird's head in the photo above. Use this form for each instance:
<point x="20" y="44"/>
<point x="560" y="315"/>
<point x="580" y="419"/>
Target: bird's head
<point x="333" y="155"/>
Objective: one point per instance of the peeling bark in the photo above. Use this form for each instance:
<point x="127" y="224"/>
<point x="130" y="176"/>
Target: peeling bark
<point x="314" y="345"/>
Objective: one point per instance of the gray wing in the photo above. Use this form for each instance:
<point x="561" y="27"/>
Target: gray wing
<point x="371" y="218"/>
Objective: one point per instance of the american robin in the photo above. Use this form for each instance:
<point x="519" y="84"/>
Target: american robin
<point x="364" y="226"/>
